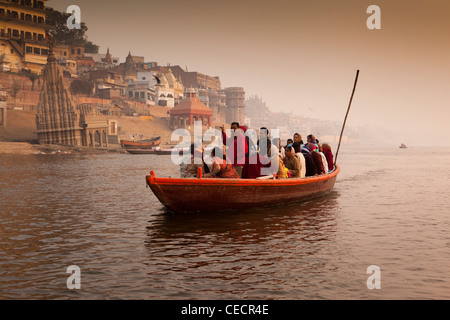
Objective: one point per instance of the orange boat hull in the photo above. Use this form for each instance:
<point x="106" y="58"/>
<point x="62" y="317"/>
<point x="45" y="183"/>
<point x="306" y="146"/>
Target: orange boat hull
<point x="203" y="195"/>
<point x="140" y="145"/>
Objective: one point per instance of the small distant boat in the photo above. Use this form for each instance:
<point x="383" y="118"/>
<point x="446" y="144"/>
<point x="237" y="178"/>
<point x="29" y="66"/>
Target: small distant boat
<point x="143" y="144"/>
<point x="163" y="152"/>
<point x="141" y="151"/>
<point x="403" y="146"/>
<point x="156" y="151"/>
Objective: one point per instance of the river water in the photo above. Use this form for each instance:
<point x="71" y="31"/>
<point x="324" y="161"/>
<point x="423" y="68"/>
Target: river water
<point x="390" y="208"/>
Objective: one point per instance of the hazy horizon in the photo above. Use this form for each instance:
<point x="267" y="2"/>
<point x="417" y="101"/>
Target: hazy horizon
<point x="299" y="56"/>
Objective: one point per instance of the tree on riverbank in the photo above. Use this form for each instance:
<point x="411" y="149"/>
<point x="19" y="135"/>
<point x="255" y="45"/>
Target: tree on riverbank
<point x="63" y="35"/>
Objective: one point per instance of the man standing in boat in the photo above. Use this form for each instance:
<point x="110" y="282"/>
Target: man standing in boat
<point x="237" y="146"/>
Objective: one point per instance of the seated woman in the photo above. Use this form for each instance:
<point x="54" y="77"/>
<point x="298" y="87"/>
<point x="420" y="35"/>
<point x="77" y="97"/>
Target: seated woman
<point x="301" y="157"/>
<point x="282" y="170"/>
<point x="324" y="159"/>
<point x="329" y="155"/>
<point x="221" y="168"/>
<point x="311" y="169"/>
<point x="189" y="170"/>
<point x="317" y="158"/>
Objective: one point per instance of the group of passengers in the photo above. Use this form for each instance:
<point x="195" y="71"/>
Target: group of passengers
<point x="247" y="160"/>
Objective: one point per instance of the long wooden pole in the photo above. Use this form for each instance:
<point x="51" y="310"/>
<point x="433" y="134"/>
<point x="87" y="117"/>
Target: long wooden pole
<point x="346" y="116"/>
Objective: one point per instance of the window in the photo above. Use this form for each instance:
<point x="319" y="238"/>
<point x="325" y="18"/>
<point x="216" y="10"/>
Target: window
<point x="79" y="51"/>
<point x="44" y="52"/>
<point x="16" y="33"/>
<point x="37" y="51"/>
<point x="29" y="50"/>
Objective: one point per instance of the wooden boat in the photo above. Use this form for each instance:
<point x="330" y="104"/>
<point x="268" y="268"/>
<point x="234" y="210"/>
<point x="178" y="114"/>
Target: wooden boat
<point x="154" y="151"/>
<point x="141" y="151"/>
<point x="403" y="146"/>
<point x="203" y="195"/>
<point x="143" y="144"/>
<point x="163" y="152"/>
<point x="206" y="195"/>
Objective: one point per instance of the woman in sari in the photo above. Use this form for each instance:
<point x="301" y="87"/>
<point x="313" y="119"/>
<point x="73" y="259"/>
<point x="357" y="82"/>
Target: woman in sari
<point x="221" y="168"/>
<point x="329" y="155"/>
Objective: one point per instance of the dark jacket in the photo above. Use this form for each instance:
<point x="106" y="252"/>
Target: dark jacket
<point x="318" y="162"/>
<point x="311" y="169"/>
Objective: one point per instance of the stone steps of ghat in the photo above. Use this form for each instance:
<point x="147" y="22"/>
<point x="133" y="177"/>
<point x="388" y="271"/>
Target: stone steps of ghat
<point x="17" y="148"/>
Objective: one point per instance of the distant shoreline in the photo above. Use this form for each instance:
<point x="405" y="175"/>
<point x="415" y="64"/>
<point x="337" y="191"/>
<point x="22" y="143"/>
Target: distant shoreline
<point x="25" y="148"/>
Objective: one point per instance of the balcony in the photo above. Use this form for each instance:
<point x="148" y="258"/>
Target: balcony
<point x="21" y="40"/>
<point x="27" y="20"/>
<point x="37" y="6"/>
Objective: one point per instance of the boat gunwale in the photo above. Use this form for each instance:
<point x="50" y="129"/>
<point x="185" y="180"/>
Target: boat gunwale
<point x="153" y="180"/>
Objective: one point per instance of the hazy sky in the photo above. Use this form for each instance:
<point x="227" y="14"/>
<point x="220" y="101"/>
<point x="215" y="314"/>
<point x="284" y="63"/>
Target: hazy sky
<point x="300" y="56"/>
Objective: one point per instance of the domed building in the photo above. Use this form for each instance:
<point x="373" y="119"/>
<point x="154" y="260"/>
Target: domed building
<point x="174" y="84"/>
<point x="169" y="90"/>
<point x="189" y="110"/>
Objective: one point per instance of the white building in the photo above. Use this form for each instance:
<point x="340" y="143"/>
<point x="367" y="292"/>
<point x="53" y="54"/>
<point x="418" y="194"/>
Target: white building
<point x="168" y="90"/>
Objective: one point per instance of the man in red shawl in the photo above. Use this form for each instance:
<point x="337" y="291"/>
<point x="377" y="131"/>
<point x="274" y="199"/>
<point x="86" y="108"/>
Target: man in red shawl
<point x="237" y="148"/>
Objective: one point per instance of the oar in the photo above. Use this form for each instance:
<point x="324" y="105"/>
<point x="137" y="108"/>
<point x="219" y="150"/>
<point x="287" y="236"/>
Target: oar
<point x="346" y="116"/>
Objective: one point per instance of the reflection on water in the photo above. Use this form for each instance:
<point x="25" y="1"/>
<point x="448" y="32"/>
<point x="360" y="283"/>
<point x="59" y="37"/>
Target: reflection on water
<point x="259" y="252"/>
<point x="388" y="208"/>
<point x="261" y="222"/>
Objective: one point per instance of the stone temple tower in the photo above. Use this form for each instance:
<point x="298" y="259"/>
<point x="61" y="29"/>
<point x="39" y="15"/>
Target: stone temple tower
<point x="235" y="99"/>
<point x="57" y="119"/>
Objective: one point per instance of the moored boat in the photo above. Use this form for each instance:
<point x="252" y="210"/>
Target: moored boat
<point x="203" y="195"/>
<point x="163" y="152"/>
<point x="403" y="146"/>
<point x="156" y="151"/>
<point x="143" y="144"/>
<point x="141" y="151"/>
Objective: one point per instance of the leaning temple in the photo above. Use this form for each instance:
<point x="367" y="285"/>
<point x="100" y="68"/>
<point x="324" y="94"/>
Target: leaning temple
<point x="59" y="121"/>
